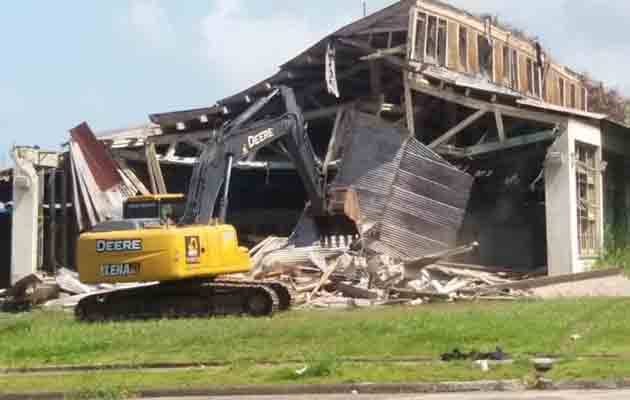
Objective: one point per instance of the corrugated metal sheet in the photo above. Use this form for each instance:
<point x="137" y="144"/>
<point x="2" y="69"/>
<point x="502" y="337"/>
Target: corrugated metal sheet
<point x="97" y="157"/>
<point x="413" y="200"/>
<point x="426" y="205"/>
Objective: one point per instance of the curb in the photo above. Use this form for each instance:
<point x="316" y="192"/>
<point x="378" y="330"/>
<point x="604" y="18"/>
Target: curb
<point x="278" y="390"/>
<point x="360" y="388"/>
<point x="215" y="364"/>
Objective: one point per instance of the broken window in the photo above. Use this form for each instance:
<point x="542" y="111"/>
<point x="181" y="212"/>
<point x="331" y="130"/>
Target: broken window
<point x="587" y="199"/>
<point x="561" y="91"/>
<point x="485" y="56"/>
<point x="431" y="52"/>
<point x="441" y="49"/>
<point x="420" y="37"/>
<point x="572" y="97"/>
<point x="463" y="48"/>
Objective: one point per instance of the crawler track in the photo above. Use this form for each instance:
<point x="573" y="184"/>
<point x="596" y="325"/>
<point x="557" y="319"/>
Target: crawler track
<point x="186" y="299"/>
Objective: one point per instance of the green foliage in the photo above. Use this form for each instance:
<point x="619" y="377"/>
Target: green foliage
<point x="616" y="252"/>
<point x="113" y="392"/>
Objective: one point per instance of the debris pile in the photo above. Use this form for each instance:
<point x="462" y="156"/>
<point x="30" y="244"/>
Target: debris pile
<point x="339" y="277"/>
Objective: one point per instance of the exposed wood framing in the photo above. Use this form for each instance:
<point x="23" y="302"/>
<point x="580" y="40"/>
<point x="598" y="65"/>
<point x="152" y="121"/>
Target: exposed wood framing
<point x="391" y="60"/>
<point x="511" y="143"/>
<point x="480" y="104"/>
<point x="500" y="128"/>
<point x="458" y="128"/>
<point x="158" y="186"/>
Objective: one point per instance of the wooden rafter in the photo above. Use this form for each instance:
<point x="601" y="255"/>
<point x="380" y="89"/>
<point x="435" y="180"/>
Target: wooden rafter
<point x="480" y="104"/>
<point x="458" y="128"/>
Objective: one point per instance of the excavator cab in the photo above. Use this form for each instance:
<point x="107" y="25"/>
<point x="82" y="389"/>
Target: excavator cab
<point x="165" y="207"/>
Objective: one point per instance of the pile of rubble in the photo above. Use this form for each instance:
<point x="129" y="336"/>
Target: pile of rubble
<point x="338" y="277"/>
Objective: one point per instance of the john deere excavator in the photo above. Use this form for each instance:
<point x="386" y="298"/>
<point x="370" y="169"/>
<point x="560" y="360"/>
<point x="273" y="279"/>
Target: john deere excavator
<point x="186" y="255"/>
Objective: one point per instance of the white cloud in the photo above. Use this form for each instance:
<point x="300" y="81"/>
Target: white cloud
<point x="150" y="22"/>
<point x="242" y="48"/>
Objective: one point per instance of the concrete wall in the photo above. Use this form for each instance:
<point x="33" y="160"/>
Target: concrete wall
<point x="561" y="199"/>
<point x="26" y="195"/>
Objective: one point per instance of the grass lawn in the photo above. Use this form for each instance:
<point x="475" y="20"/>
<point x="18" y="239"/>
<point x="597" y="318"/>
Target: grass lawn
<point x="319" y="339"/>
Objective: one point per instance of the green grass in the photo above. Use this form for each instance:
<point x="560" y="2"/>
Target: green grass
<point x="40" y="339"/>
<point x="319" y="339"/>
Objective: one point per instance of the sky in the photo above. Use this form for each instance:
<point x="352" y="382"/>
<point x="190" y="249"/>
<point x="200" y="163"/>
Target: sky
<point x="111" y="63"/>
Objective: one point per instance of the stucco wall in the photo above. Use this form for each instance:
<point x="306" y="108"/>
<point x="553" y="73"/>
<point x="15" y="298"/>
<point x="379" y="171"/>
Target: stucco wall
<point x="561" y="199"/>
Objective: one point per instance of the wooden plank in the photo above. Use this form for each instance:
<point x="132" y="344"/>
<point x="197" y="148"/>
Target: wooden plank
<point x="473" y="56"/>
<point x="500" y="128"/>
<point x="131" y="175"/>
<point x="76" y="201"/>
<point x="458" y="128"/>
<point x="498" y="62"/>
<point x="409" y="110"/>
<point x="453" y="45"/>
<point x="158" y="185"/>
<point x="511" y="143"/>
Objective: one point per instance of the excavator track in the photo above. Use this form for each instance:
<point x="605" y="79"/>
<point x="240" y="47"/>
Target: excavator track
<point x="285" y="300"/>
<point x="184" y="299"/>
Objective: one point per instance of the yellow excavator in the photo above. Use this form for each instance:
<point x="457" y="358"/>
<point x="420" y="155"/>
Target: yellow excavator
<point x="176" y="240"/>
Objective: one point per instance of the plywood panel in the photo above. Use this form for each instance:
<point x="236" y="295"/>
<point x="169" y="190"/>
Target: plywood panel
<point x="473" y="57"/>
<point x="498" y="62"/>
<point x="522" y="73"/>
<point x="453" y="46"/>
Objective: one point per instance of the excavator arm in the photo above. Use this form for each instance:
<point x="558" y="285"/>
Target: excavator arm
<point x="239" y="139"/>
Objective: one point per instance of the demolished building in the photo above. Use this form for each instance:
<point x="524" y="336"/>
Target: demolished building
<point x="480" y="100"/>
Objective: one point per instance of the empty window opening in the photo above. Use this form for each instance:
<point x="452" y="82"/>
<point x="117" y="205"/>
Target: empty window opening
<point x="441" y="50"/>
<point x="485" y="56"/>
<point x="431" y="52"/>
<point x="572" y="97"/>
<point x="421" y="28"/>
<point x="530" y="76"/>
<point x="587" y="172"/>
<point x="463" y="48"/>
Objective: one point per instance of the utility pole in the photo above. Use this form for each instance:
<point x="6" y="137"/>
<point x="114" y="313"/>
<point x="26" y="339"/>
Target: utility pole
<point x="364" y="2"/>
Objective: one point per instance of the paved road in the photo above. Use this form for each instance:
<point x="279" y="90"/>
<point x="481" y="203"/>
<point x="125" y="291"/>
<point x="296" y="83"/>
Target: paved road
<point x="565" y="395"/>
